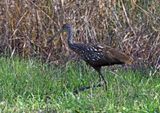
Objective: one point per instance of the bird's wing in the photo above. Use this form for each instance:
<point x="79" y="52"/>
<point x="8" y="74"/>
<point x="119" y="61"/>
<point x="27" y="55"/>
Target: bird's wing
<point x="97" y="48"/>
<point x="116" y="55"/>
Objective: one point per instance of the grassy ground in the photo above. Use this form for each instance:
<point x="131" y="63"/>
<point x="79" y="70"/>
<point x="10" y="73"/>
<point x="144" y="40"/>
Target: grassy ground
<point x="30" y="86"/>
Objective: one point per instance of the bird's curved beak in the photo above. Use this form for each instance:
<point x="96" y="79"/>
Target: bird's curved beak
<point x="50" y="39"/>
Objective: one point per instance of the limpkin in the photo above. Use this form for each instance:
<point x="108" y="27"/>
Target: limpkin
<point x="95" y="55"/>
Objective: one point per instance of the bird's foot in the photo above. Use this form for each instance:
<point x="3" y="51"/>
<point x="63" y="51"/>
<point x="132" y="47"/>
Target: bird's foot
<point x="76" y="91"/>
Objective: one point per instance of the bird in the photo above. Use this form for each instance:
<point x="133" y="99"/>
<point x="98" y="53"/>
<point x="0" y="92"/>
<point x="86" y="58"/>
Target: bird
<point x="94" y="55"/>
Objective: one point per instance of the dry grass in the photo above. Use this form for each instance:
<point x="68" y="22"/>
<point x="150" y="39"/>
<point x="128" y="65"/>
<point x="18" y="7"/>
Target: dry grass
<point x="132" y="26"/>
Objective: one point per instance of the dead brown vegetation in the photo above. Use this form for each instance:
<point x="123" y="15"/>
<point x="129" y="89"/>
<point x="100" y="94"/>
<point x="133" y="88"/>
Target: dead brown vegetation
<point x="133" y="26"/>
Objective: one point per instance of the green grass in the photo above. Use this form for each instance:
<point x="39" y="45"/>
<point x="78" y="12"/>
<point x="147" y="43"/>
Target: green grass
<point x="30" y="86"/>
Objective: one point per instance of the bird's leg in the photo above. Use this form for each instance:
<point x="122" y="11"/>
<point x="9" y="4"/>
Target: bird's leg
<point x="101" y="78"/>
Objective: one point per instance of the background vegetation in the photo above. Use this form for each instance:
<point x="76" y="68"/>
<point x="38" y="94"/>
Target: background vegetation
<point x="130" y="25"/>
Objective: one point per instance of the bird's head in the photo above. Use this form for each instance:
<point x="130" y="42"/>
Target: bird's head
<point x="66" y="27"/>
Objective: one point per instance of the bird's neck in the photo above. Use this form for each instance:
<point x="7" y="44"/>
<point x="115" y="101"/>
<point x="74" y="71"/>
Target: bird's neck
<point x="70" y="37"/>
